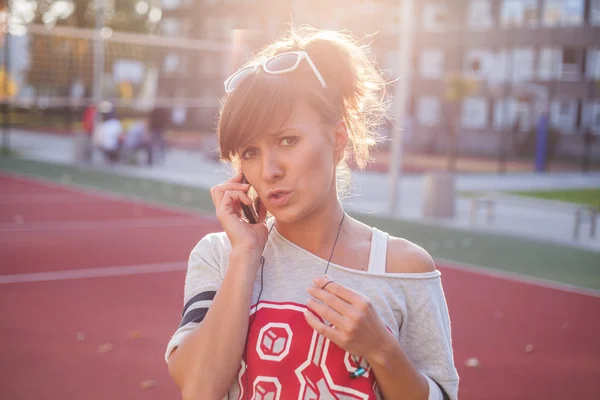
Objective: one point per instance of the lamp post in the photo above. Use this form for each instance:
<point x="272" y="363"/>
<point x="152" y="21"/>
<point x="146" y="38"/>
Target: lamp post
<point x="400" y="102"/>
<point x="6" y="83"/>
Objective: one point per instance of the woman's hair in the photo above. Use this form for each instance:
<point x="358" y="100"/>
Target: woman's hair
<point x="263" y="103"/>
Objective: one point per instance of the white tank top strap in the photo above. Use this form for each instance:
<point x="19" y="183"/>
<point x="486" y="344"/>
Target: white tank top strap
<point x="378" y="256"/>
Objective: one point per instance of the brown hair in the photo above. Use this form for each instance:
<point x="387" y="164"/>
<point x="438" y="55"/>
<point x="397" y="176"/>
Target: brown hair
<point x="263" y="103"/>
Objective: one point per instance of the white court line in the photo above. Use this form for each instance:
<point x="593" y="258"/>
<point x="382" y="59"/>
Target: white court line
<point x="94" y="272"/>
<point x="9" y="199"/>
<point x="104" y="194"/>
<point x="515" y="277"/>
<point x="121" y="223"/>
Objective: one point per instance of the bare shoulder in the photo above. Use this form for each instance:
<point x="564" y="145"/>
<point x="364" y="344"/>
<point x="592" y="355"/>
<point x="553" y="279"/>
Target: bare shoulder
<point x="404" y="256"/>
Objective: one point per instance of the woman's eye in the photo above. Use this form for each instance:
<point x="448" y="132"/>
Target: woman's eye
<point x="247" y="154"/>
<point x="288" y="141"/>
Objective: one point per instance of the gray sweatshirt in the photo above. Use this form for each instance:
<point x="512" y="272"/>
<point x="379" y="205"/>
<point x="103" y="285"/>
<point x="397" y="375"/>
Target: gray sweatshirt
<point x="286" y="358"/>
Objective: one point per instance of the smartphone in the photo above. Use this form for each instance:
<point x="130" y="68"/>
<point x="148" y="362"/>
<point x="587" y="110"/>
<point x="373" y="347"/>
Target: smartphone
<point x="251" y="212"/>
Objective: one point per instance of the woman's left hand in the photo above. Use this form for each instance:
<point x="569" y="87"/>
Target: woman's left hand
<point x="355" y="325"/>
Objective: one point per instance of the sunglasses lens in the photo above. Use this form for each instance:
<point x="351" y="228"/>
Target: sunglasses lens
<point x="237" y="78"/>
<point x="282" y="63"/>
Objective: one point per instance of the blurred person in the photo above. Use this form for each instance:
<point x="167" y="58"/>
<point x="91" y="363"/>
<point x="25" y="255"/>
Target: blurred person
<point x="84" y="144"/>
<point x="108" y="136"/>
<point x="179" y="115"/>
<point x="307" y="302"/>
<point x="158" y="121"/>
<point x="88" y="120"/>
<point x="136" y="139"/>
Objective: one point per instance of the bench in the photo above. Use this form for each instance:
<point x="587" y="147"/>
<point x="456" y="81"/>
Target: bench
<point x="582" y="213"/>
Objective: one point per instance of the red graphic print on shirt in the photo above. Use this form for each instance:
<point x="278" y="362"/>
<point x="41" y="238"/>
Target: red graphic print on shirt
<point x="287" y="359"/>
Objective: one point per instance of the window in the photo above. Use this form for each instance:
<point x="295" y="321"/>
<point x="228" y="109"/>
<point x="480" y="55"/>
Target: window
<point x="171" y="62"/>
<point x="435" y="17"/>
<point x="170" y="4"/>
<point x="593" y="116"/>
<point x="505" y="113"/>
<point x="563" y="114"/>
<point x="171" y="27"/>
<point x="480" y="14"/>
<point x="477" y="63"/>
<point x="519" y="13"/>
<point x="522" y="64"/>
<point x="428" y="111"/>
<point x="563" y="12"/>
<point x="432" y="64"/>
<point x="474" y="113"/>
<point x="549" y="64"/>
<point x="592" y="68"/>
<point x="570" y="66"/>
<point x="595" y="12"/>
<point x="499" y="64"/>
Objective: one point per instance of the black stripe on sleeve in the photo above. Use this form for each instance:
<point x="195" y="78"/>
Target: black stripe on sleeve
<point x="444" y="394"/>
<point x="196" y="315"/>
<point x="199" y="297"/>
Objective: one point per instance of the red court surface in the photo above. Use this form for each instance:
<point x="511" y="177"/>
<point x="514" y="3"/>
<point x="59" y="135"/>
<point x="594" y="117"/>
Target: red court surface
<point x="73" y="328"/>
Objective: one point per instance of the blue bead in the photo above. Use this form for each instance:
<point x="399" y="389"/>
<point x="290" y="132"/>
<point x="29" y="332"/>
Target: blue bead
<point x="359" y="372"/>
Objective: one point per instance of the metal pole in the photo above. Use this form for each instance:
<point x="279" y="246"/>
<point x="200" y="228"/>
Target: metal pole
<point x="6" y="104"/>
<point x="404" y="56"/>
<point x="98" y="57"/>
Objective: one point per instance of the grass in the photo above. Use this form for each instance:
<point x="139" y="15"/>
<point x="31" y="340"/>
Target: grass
<point x="8" y="152"/>
<point x="494" y="251"/>
<point x="589" y="197"/>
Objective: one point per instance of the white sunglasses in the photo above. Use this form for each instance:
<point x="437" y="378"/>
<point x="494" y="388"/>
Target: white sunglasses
<point x="276" y="65"/>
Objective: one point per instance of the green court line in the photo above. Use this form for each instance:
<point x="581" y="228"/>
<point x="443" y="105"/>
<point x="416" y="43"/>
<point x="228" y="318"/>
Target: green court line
<point x="533" y="258"/>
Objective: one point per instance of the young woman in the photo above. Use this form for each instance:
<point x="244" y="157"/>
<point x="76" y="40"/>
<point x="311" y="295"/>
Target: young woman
<point x="311" y="303"/>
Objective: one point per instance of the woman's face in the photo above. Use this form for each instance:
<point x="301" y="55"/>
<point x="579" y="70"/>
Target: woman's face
<point x="293" y="169"/>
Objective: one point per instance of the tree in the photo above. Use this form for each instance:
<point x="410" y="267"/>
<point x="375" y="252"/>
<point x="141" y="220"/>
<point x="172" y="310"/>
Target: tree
<point x="59" y="61"/>
<point x="458" y="87"/>
<point x="121" y="15"/>
<point x="8" y="86"/>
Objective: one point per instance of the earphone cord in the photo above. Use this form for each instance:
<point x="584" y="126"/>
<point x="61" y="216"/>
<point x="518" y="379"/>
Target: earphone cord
<point x="335" y="242"/>
<point x="245" y="354"/>
<point x="358" y="366"/>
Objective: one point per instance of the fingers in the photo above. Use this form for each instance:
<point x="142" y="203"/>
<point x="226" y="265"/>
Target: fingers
<point x="230" y="196"/>
<point x="329" y="299"/>
<point x="321" y="328"/>
<point x="217" y="192"/>
<point x="340" y="291"/>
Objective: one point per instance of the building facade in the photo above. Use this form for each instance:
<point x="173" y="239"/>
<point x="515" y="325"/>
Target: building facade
<point x="525" y="56"/>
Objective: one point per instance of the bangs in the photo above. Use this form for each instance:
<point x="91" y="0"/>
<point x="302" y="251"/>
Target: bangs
<point x="259" y="105"/>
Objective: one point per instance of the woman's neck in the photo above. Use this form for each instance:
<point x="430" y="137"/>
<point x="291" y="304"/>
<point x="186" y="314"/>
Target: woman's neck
<point x="317" y="232"/>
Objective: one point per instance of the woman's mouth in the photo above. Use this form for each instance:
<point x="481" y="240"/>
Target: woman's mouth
<point x="279" y="198"/>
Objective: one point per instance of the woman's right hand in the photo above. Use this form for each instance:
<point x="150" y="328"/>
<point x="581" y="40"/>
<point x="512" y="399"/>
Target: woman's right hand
<point x="244" y="237"/>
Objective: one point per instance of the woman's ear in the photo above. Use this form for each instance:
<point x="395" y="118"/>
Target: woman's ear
<point x="340" y="140"/>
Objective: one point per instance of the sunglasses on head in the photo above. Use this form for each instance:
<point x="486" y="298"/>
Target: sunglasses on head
<point x="276" y="65"/>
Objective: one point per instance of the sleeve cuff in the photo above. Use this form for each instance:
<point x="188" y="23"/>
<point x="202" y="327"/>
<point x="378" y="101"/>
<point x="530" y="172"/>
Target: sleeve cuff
<point x="177" y="339"/>
<point x="435" y="392"/>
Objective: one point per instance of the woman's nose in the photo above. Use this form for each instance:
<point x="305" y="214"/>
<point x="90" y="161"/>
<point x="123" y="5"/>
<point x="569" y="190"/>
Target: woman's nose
<point x="271" y="167"/>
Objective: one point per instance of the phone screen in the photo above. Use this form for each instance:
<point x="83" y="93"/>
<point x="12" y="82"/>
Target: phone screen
<point x="251" y="212"/>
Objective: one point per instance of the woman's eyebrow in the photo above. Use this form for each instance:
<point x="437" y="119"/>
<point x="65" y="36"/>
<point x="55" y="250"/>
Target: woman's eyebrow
<point x="284" y="131"/>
